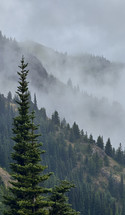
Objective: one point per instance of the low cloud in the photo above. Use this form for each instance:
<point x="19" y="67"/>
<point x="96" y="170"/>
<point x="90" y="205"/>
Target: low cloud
<point x="73" y="26"/>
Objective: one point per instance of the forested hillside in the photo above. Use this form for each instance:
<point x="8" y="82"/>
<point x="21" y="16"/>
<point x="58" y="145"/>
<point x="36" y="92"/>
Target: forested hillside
<point x="80" y="68"/>
<point x="62" y="107"/>
<point x="48" y="69"/>
<point x="97" y="169"/>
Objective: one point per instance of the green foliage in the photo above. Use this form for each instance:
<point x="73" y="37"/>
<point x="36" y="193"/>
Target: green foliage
<point x="9" y="97"/>
<point x="119" y="155"/>
<point x="26" y="195"/>
<point x="55" y="118"/>
<point x="100" y="142"/>
<point x="108" y="148"/>
<point x="69" y="154"/>
<point x="106" y="161"/>
<point x="6" y="114"/>
<point x="93" y="164"/>
<point x="76" y="131"/>
<point x="65" y="159"/>
<point x="60" y="203"/>
<point x="3" y="191"/>
<point x="91" y="141"/>
<point x="116" y="189"/>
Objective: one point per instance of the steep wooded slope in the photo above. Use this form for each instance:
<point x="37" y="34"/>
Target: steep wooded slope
<point x="71" y="154"/>
<point x="88" y="110"/>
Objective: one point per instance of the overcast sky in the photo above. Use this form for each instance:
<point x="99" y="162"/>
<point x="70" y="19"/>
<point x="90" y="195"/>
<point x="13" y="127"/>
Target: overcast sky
<point x="92" y="26"/>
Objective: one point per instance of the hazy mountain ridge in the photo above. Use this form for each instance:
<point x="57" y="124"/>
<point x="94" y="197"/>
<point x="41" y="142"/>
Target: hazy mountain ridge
<point x="10" y="56"/>
<point x="93" y="74"/>
<point x="82" y="67"/>
<point x="97" y="116"/>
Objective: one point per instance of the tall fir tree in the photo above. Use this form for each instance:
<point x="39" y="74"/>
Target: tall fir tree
<point x="26" y="195"/>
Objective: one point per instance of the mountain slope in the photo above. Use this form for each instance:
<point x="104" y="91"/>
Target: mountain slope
<point x="98" y="78"/>
<point x="5" y="177"/>
<point x="71" y="154"/>
<point x="81" y="68"/>
<point x="97" y="116"/>
<point x="10" y="54"/>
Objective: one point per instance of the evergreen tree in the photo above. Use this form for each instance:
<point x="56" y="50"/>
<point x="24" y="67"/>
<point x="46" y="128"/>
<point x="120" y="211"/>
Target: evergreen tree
<point x="91" y="141"/>
<point x="55" y="118"/>
<point x="119" y="154"/>
<point x="9" y="96"/>
<point x="63" y="123"/>
<point x="108" y="148"/>
<point x="86" y="137"/>
<point x="113" y="153"/>
<point x="43" y="113"/>
<point x="26" y="196"/>
<point x="76" y="131"/>
<point x="100" y="142"/>
<point x="35" y="102"/>
<point x="60" y="200"/>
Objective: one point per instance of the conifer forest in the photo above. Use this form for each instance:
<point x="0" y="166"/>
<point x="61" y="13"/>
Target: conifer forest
<point x="55" y="168"/>
<point x="62" y="107"/>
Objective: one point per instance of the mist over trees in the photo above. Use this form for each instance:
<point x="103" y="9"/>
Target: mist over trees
<point x="28" y="195"/>
<point x="75" y="101"/>
<point x="63" y="156"/>
<point x="71" y="153"/>
<point x="77" y="160"/>
<point x="57" y="93"/>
